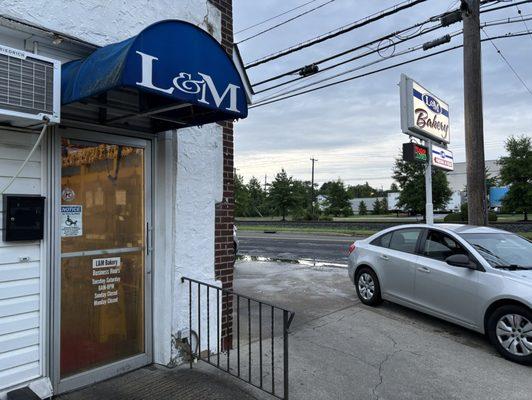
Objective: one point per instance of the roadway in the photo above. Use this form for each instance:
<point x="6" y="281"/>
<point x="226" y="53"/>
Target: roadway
<point x="329" y="249"/>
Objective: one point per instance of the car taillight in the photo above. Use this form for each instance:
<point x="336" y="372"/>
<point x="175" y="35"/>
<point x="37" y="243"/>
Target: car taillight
<point x="352" y="248"/>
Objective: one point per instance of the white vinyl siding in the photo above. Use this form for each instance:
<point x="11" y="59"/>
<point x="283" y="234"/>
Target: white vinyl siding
<point x="20" y="271"/>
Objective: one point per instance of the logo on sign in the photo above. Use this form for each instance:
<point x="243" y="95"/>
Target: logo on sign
<point x="431" y="103"/>
<point x="185" y="83"/>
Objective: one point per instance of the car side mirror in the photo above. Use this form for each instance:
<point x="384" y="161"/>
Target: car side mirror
<point x="460" y="260"/>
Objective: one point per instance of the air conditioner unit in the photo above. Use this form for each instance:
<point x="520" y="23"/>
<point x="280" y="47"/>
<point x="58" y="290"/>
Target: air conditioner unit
<point x="30" y="88"/>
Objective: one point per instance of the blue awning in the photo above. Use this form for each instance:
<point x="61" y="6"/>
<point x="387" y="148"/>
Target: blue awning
<point x="180" y="75"/>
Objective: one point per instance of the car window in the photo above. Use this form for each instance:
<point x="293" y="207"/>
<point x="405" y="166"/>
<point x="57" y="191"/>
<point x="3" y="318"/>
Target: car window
<point x="383" y="240"/>
<point x="501" y="248"/>
<point x="405" y="240"/>
<point x="439" y="246"/>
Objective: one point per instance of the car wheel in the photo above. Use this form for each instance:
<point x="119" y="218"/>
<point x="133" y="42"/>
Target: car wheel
<point x="510" y="331"/>
<point x="367" y="286"/>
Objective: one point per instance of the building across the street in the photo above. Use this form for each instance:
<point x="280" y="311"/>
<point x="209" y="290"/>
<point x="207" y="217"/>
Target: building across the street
<point x="368" y="201"/>
<point x="458" y="178"/>
<point x="121" y="113"/>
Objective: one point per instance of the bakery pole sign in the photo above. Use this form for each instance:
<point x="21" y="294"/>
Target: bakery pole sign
<point x="423" y="114"/>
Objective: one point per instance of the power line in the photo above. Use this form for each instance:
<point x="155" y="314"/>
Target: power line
<point x="503" y="21"/>
<point x="407" y="51"/>
<point x="285" y="22"/>
<point x="522" y="18"/>
<point x="357" y="57"/>
<point x="518" y="34"/>
<point x="340" y="31"/>
<point x="275" y="16"/>
<point x="507" y="62"/>
<point x="377" y="41"/>
<point x="354" y="69"/>
<point x="484" y="10"/>
<point x="345" y="52"/>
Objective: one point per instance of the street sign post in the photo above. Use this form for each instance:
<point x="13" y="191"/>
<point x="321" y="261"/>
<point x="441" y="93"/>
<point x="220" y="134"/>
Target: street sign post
<point x="426" y="117"/>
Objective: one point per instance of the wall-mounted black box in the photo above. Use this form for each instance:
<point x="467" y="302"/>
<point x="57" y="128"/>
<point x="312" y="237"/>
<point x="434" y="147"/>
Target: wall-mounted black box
<point x="23" y="217"/>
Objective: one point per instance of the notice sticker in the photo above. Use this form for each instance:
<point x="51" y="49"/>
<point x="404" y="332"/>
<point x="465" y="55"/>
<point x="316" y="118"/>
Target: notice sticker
<point x="71" y="221"/>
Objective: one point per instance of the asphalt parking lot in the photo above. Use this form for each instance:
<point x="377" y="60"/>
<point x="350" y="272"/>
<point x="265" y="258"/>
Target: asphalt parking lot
<point x="341" y="349"/>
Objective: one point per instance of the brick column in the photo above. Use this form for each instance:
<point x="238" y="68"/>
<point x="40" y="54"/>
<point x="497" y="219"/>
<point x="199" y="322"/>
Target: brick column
<point x="224" y="250"/>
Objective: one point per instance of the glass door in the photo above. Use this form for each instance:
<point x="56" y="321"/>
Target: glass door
<point x="104" y="265"/>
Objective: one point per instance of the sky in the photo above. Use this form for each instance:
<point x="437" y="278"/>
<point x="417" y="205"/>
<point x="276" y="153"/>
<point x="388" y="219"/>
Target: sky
<point x="353" y="129"/>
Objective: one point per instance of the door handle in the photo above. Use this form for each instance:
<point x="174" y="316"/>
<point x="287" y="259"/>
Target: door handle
<point x="149" y="238"/>
<point x="383" y="257"/>
<point x="424" y="270"/>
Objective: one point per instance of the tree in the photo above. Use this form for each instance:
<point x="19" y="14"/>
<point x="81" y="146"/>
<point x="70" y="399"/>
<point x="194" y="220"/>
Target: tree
<point x="257" y="198"/>
<point x="281" y="195"/>
<point x="491" y="181"/>
<point x="242" y="200"/>
<point x="302" y="196"/>
<point x="394" y="188"/>
<point x="362" y="209"/>
<point x="384" y="205"/>
<point x="358" y="191"/>
<point x="377" y="207"/>
<point x="516" y="172"/>
<point x="338" y="199"/>
<point x="411" y="179"/>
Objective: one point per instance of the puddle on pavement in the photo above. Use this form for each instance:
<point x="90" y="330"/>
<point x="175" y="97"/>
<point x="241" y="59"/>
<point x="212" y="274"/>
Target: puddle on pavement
<point x="308" y="262"/>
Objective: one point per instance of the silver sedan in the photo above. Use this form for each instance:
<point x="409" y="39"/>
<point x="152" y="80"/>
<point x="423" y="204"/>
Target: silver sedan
<point x="477" y="277"/>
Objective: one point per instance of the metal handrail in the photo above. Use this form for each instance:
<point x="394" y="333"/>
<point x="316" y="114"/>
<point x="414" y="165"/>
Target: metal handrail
<point x="228" y="296"/>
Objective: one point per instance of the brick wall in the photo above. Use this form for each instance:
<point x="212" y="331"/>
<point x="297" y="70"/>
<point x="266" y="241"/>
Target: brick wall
<point x="224" y="250"/>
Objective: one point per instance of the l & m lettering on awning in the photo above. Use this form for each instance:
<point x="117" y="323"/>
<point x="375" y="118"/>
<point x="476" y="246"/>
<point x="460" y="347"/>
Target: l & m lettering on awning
<point x="183" y="82"/>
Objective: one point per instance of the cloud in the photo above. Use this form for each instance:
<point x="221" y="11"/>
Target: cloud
<point x="354" y="128"/>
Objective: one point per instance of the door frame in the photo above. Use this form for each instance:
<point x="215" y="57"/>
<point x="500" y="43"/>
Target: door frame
<point x="119" y="367"/>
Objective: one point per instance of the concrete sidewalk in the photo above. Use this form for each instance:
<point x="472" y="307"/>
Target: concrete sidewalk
<point x="341" y="349"/>
<point x="160" y="383"/>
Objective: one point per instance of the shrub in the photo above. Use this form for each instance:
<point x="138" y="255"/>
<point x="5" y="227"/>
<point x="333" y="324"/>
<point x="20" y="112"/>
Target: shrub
<point x="462" y="216"/>
<point x="453" y="217"/>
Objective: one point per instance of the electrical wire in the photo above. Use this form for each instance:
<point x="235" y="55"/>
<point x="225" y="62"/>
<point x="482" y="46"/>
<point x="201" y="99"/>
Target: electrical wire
<point x="485" y="10"/>
<point x="378" y="50"/>
<point x="35" y="146"/>
<point x="275" y="16"/>
<point x="508" y="62"/>
<point x="397" y="34"/>
<point x="489" y="23"/>
<point x="505" y="21"/>
<point x="406" y="51"/>
<point x="288" y="95"/>
<point x="522" y="18"/>
<point x="285" y="22"/>
<point x="340" y="31"/>
<point x="351" y="50"/>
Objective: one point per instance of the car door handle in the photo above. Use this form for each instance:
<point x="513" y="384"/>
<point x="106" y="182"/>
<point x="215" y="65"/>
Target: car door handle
<point x="424" y="269"/>
<point x="383" y="257"/>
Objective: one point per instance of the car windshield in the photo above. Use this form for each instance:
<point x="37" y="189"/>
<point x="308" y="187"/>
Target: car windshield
<point x="502" y="249"/>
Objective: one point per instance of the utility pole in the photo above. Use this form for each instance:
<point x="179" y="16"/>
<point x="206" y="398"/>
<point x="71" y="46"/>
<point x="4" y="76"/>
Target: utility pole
<point x="265" y="181"/>
<point x="474" y="130"/>
<point x="312" y="186"/>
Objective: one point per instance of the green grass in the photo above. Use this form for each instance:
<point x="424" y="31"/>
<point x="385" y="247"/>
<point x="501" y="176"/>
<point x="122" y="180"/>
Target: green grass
<point x="324" y="230"/>
<point x="510" y="217"/>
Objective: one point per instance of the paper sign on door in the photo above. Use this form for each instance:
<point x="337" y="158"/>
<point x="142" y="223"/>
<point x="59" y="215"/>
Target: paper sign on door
<point x="71" y="221"/>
